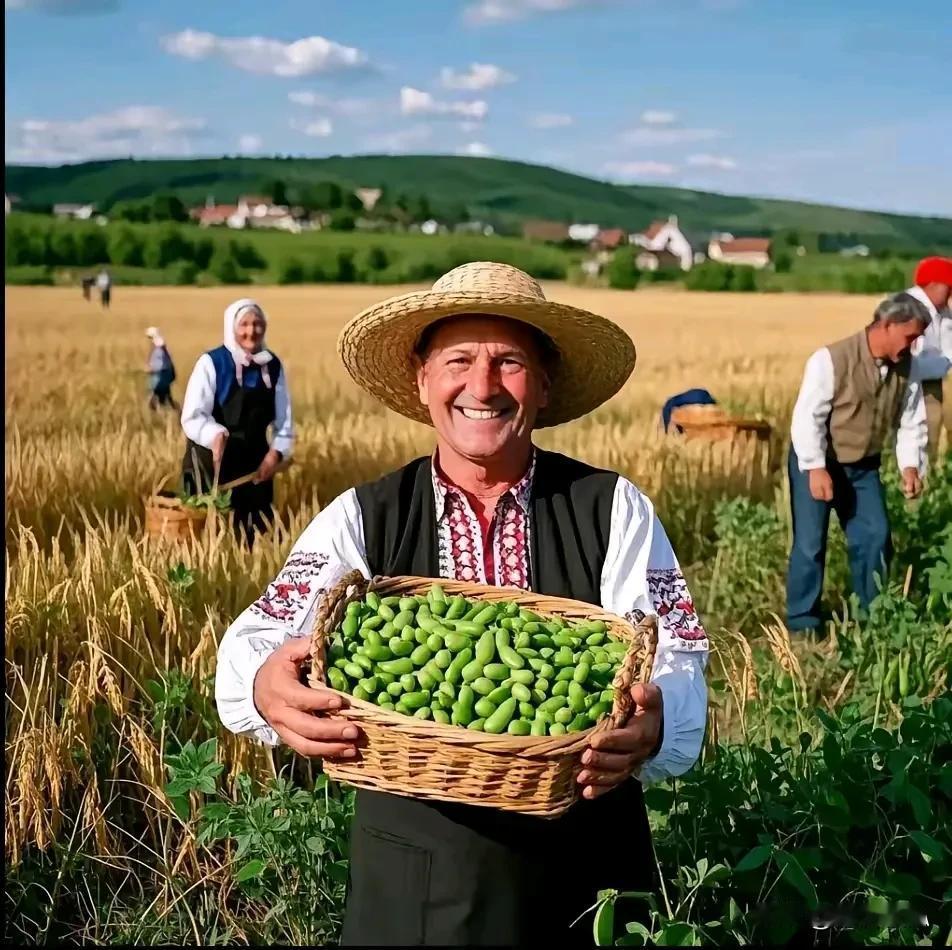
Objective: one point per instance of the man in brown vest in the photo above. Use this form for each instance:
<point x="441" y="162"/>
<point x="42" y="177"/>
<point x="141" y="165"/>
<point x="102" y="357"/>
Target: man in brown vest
<point x="855" y="393"/>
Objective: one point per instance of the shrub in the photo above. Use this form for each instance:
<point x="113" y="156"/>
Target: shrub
<point x="91" y="247"/>
<point x="184" y="273"/>
<point x="782" y="262"/>
<point x="743" y="279"/>
<point x="125" y="247"/>
<point x="346" y="272"/>
<point x="622" y="272"/>
<point x="342" y="221"/>
<point x="291" y="272"/>
<point x="710" y="276"/>
<point x="224" y="266"/>
<point x="247" y="255"/>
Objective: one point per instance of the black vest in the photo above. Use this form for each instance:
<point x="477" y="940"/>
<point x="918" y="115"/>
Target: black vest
<point x="570" y="522"/>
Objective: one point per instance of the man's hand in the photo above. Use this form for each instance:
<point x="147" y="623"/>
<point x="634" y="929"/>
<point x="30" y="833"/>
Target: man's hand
<point x="218" y="449"/>
<point x="821" y="484"/>
<point x="615" y="754"/>
<point x="911" y="483"/>
<point x="289" y="706"/>
<point x="267" y="467"/>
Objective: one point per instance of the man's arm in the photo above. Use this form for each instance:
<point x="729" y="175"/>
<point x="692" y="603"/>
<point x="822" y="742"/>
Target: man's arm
<point x="642" y="576"/>
<point x="282" y="439"/>
<point x="811" y="413"/>
<point x="912" y="437"/>
<point x="330" y="546"/>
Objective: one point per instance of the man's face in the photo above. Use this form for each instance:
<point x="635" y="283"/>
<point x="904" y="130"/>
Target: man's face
<point x="249" y="331"/>
<point x="483" y="382"/>
<point x="899" y="337"/>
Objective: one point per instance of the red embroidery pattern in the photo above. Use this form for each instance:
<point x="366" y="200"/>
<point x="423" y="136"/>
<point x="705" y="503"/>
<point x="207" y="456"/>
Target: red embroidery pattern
<point x="461" y="547"/>
<point x="673" y="603"/>
<point x="511" y="546"/>
<point x="292" y="592"/>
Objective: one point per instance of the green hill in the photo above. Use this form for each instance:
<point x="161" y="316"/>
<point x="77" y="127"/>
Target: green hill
<point x="505" y="192"/>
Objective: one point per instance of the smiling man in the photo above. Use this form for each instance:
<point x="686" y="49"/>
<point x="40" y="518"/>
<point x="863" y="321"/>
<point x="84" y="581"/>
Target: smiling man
<point x="485" y="360"/>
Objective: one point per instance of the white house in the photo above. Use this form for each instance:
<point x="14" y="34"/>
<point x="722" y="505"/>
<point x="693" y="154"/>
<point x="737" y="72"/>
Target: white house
<point x="754" y="252"/>
<point x="664" y="240"/>
<point x="583" y="233"/>
<point x="81" y="212"/>
<point x="369" y="197"/>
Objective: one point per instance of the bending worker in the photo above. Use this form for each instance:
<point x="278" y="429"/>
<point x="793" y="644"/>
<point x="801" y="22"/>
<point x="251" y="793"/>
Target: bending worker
<point x="485" y="360"/>
<point x="855" y="393"/>
<point x="235" y="393"/>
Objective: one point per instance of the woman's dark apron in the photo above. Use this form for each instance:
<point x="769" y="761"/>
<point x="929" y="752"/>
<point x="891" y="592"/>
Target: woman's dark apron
<point x="435" y="873"/>
<point x="246" y="411"/>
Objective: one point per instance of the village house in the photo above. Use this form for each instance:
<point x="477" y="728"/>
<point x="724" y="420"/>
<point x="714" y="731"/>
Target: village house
<point x="369" y="197"/>
<point x="79" y="212"/>
<point x="751" y="251"/>
<point x="583" y="233"/>
<point x="666" y="246"/>
<point x="251" y="211"/>
<point x="608" y="239"/>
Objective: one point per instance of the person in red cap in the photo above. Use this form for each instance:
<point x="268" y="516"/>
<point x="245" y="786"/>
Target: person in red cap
<point x="932" y="352"/>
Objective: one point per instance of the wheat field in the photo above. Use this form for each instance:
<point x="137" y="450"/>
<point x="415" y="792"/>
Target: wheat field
<point x="91" y="613"/>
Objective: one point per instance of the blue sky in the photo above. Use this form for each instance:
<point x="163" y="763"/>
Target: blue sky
<point x="841" y="101"/>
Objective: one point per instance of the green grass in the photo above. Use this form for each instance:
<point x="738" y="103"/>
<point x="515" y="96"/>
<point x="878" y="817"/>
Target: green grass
<point x="507" y="192"/>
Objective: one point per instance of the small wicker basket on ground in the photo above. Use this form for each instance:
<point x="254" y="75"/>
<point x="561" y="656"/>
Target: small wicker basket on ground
<point x="534" y="775"/>
<point x="167" y="517"/>
<point x="715" y="424"/>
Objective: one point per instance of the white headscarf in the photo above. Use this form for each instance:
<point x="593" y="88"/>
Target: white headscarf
<point x="241" y="356"/>
<point x="153" y="334"/>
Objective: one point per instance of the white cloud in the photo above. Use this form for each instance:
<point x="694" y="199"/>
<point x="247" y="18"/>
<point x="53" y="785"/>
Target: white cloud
<point x="478" y="76"/>
<point x="550" y="120"/>
<point x="657" y="117"/>
<point x="132" y="130"/>
<point x="249" y="143"/>
<point x="475" y="150"/>
<point x="723" y="162"/>
<point x="640" y="169"/>
<point x="660" y="136"/>
<point x="416" y="102"/>
<point x="259" y="54"/>
<point x="352" y="108"/>
<point x="316" y="128"/>
<point x="400" y="140"/>
<point x="499" y="11"/>
<point x="64" y="7"/>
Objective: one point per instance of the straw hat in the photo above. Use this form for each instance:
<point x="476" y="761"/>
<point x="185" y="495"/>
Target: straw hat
<point x="596" y="356"/>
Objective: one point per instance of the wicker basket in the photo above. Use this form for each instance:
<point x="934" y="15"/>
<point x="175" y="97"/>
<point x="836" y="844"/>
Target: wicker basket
<point x="167" y="517"/>
<point x="713" y="424"/>
<point x="534" y="775"/>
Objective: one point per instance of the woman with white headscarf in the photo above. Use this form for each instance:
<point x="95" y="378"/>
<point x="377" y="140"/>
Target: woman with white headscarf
<point x="236" y="392"/>
<point x="161" y="371"/>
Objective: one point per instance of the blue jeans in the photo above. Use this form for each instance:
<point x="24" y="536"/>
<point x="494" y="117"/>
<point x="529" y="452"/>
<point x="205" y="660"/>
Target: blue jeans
<point x="860" y="506"/>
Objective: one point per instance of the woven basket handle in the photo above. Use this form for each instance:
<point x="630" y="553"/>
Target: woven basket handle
<point x="643" y="646"/>
<point x="351" y="586"/>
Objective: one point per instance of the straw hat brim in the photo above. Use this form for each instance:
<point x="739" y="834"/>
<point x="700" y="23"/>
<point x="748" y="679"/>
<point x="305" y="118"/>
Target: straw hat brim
<point x="596" y="355"/>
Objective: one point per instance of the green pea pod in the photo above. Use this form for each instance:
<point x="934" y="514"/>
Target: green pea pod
<point x="553" y="704"/>
<point x="441" y="716"/>
<point x="581" y="672"/>
<point x="527" y="711"/>
<point x="500" y="719"/>
<point x="386" y="611"/>
<point x="395" y="689"/>
<point x="519" y="727"/>
<point x="564" y="657"/>
<point x="349" y="626"/>
<point x="904" y="675"/>
<point x="403" y="619"/>
<point x="400" y="648"/>
<point x="425" y="681"/>
<point x="561" y="688"/>
<point x="556" y="729"/>
<point x="373" y="600"/>
<point x="361" y="693"/>
<point x="341" y="664"/>
<point x="599" y="626"/>
<point x="337" y="679"/>
<point x="511" y="609"/>
<point x="354" y="671"/>
<point x="607" y="696"/>
<point x="529" y="653"/>
<point x="388" y="706"/>
<point x="442" y="701"/>
<point x="537" y="663"/>
<point x="455" y="642"/>
<point x="526" y="677"/>
<point x="409" y="603"/>
<point x="429" y="624"/>
<point x="373" y="638"/>
<point x="539" y="695"/>
<point x="421" y="655"/>
<point x="542" y="640"/>
<point x="364" y="661"/>
<point x="419" y="636"/>
<point x="439" y="609"/>
<point x="398" y="667"/>
<point x="477" y="725"/>
<point x="436" y="595"/>
<point x="566" y="673"/>
<point x="522" y="640"/>
<point x="600" y="709"/>
<point x="595" y="639"/>
<point x="580" y="722"/>
<point x="435" y="642"/>
<point x="601" y="656"/>
<point x="496" y="671"/>
<point x="371" y="684"/>
<point x="408" y="681"/>
<point x="447" y="689"/>
<point x="472" y="670"/>
<point x="577" y="703"/>
<point x="505" y="623"/>
<point x="546" y="717"/>
<point x="511" y="658"/>
<point x="499" y="694"/>
<point x="529" y="616"/>
<point x="473" y="610"/>
<point x="483" y="685"/>
<point x="454" y="672"/>
<point x="383" y="697"/>
<point x="378" y="653"/>
<point x="586" y="657"/>
<point x="564" y="715"/>
<point x="456" y="608"/>
<point x="470" y="628"/>
<point x="415" y="700"/>
<point x="616" y="646"/>
<point x="487" y="615"/>
<point x="538" y="727"/>
<point x="521" y="692"/>
<point x="485" y="707"/>
<point x="433" y="668"/>
<point x="501" y="638"/>
<point x="443" y="659"/>
<point x="485" y="648"/>
<point x="424" y="712"/>
<point x="354" y="607"/>
<point x="546" y="652"/>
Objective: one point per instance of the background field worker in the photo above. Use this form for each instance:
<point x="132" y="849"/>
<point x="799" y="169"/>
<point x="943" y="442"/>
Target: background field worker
<point x="104" y="286"/>
<point x="235" y="393"/>
<point x="485" y="360"/>
<point x="932" y="352"/>
<point x="161" y="371"/>
<point x="854" y="394"/>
